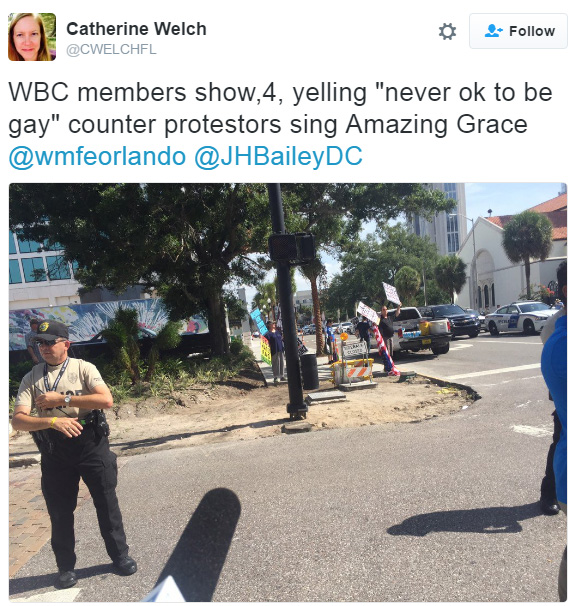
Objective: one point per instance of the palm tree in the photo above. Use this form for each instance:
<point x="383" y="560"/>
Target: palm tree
<point x="450" y="274"/>
<point x="408" y="282"/>
<point x="313" y="271"/>
<point x="265" y="292"/>
<point x="527" y="236"/>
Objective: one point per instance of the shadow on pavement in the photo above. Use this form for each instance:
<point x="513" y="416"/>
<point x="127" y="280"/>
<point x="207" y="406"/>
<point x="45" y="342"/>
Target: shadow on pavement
<point x="44" y="581"/>
<point x="198" y="558"/>
<point x="182" y="436"/>
<point x="488" y="520"/>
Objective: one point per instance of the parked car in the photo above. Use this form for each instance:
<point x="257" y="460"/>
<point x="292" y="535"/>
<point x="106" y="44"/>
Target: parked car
<point x="345" y="327"/>
<point x="461" y="322"/>
<point x="309" y="329"/>
<point x="528" y="317"/>
<point x="97" y="345"/>
<point x="480" y="315"/>
<point x="408" y="335"/>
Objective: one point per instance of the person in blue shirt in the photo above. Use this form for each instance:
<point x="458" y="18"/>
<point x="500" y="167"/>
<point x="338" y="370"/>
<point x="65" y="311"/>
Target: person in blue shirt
<point x="277" y="348"/>
<point x="554" y="369"/>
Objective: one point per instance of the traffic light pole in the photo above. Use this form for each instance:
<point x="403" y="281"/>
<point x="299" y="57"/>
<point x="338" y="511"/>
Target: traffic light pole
<point x="296" y="405"/>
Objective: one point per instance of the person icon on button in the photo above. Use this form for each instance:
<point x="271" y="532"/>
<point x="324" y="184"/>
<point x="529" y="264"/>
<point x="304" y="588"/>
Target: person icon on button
<point x="492" y="31"/>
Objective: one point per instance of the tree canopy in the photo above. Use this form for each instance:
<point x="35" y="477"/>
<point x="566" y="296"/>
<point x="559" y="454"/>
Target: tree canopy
<point x="337" y="212"/>
<point x="186" y="241"/>
<point x="376" y="259"/>
<point x="407" y="283"/>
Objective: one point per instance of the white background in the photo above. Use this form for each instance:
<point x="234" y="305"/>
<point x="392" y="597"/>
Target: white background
<point x="304" y="44"/>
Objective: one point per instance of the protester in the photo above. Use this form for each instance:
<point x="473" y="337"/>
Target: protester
<point x="554" y="370"/>
<point x="32" y="343"/>
<point x="71" y="432"/>
<point x="27" y="39"/>
<point x="363" y="330"/>
<point x="386" y="326"/>
<point x="277" y="348"/>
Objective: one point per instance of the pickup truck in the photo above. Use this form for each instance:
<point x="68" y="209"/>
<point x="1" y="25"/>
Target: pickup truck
<point x="408" y="335"/>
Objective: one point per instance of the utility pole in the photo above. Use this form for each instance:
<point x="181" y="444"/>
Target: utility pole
<point x="294" y="383"/>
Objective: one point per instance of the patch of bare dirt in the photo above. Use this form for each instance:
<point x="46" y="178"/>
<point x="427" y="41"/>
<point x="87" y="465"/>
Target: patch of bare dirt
<point x="244" y="409"/>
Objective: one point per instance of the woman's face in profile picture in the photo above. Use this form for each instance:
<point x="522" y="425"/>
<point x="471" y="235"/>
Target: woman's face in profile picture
<point x="27" y="38"/>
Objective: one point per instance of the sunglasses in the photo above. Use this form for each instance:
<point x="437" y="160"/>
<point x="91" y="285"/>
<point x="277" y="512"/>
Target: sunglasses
<point x="42" y="343"/>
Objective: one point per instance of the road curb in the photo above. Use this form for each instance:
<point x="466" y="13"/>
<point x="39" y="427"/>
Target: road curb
<point x="445" y="383"/>
<point x="23" y="461"/>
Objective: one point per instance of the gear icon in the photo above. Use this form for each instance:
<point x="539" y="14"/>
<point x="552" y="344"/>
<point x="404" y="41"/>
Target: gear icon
<point x="447" y="31"/>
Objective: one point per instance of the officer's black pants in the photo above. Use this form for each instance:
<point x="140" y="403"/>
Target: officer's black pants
<point x="88" y="456"/>
<point x="548" y="486"/>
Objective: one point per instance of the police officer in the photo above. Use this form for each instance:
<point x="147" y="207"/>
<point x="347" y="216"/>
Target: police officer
<point x="71" y="433"/>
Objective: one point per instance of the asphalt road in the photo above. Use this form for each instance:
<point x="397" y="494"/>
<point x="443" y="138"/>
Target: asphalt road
<point x="443" y="510"/>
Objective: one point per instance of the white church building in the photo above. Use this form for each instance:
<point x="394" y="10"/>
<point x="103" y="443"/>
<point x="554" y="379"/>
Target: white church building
<point x="492" y="280"/>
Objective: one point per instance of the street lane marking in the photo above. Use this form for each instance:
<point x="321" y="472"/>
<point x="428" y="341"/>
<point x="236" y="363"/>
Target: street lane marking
<point x="496" y="371"/>
<point x="512" y="342"/>
<point x="537" y="432"/>
<point x="461" y="345"/>
<point x="538" y="377"/>
<point x="62" y="595"/>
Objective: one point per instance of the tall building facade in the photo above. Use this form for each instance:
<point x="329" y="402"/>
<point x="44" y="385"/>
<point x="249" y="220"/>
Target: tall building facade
<point x="39" y="275"/>
<point x="446" y="230"/>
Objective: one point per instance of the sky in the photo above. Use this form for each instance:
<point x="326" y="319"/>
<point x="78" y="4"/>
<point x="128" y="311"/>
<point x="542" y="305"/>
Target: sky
<point x="506" y="198"/>
<point x="501" y="198"/>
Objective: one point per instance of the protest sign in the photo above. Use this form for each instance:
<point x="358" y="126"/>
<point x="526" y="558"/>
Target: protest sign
<point x="369" y="313"/>
<point x="392" y="294"/>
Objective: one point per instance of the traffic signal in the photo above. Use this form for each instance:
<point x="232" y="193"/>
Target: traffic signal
<point x="294" y="249"/>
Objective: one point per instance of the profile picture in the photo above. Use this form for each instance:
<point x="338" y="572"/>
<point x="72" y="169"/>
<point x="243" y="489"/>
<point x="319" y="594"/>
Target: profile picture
<point x="31" y="37"/>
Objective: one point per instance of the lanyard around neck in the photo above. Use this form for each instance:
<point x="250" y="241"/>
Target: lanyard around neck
<point x="60" y="375"/>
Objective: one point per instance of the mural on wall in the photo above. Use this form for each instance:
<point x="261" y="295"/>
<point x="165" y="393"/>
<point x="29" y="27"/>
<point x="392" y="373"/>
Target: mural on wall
<point x="88" y="319"/>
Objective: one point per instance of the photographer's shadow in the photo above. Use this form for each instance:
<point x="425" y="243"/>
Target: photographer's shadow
<point x="488" y="520"/>
<point x="199" y="556"/>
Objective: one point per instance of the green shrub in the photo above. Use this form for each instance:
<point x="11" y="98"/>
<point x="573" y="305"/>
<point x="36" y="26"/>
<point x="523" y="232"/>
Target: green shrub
<point x="16" y="373"/>
<point x="235" y="347"/>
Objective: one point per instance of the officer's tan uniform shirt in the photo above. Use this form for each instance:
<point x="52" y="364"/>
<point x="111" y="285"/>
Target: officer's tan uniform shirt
<point x="80" y="378"/>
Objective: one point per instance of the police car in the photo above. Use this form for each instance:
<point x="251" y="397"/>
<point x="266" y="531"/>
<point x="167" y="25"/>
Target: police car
<point x="528" y="317"/>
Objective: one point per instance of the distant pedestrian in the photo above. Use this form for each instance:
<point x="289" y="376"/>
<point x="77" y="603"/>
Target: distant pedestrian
<point x="330" y="337"/>
<point x="554" y="366"/>
<point x="32" y="343"/>
<point x="277" y="348"/>
<point x="364" y="331"/>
